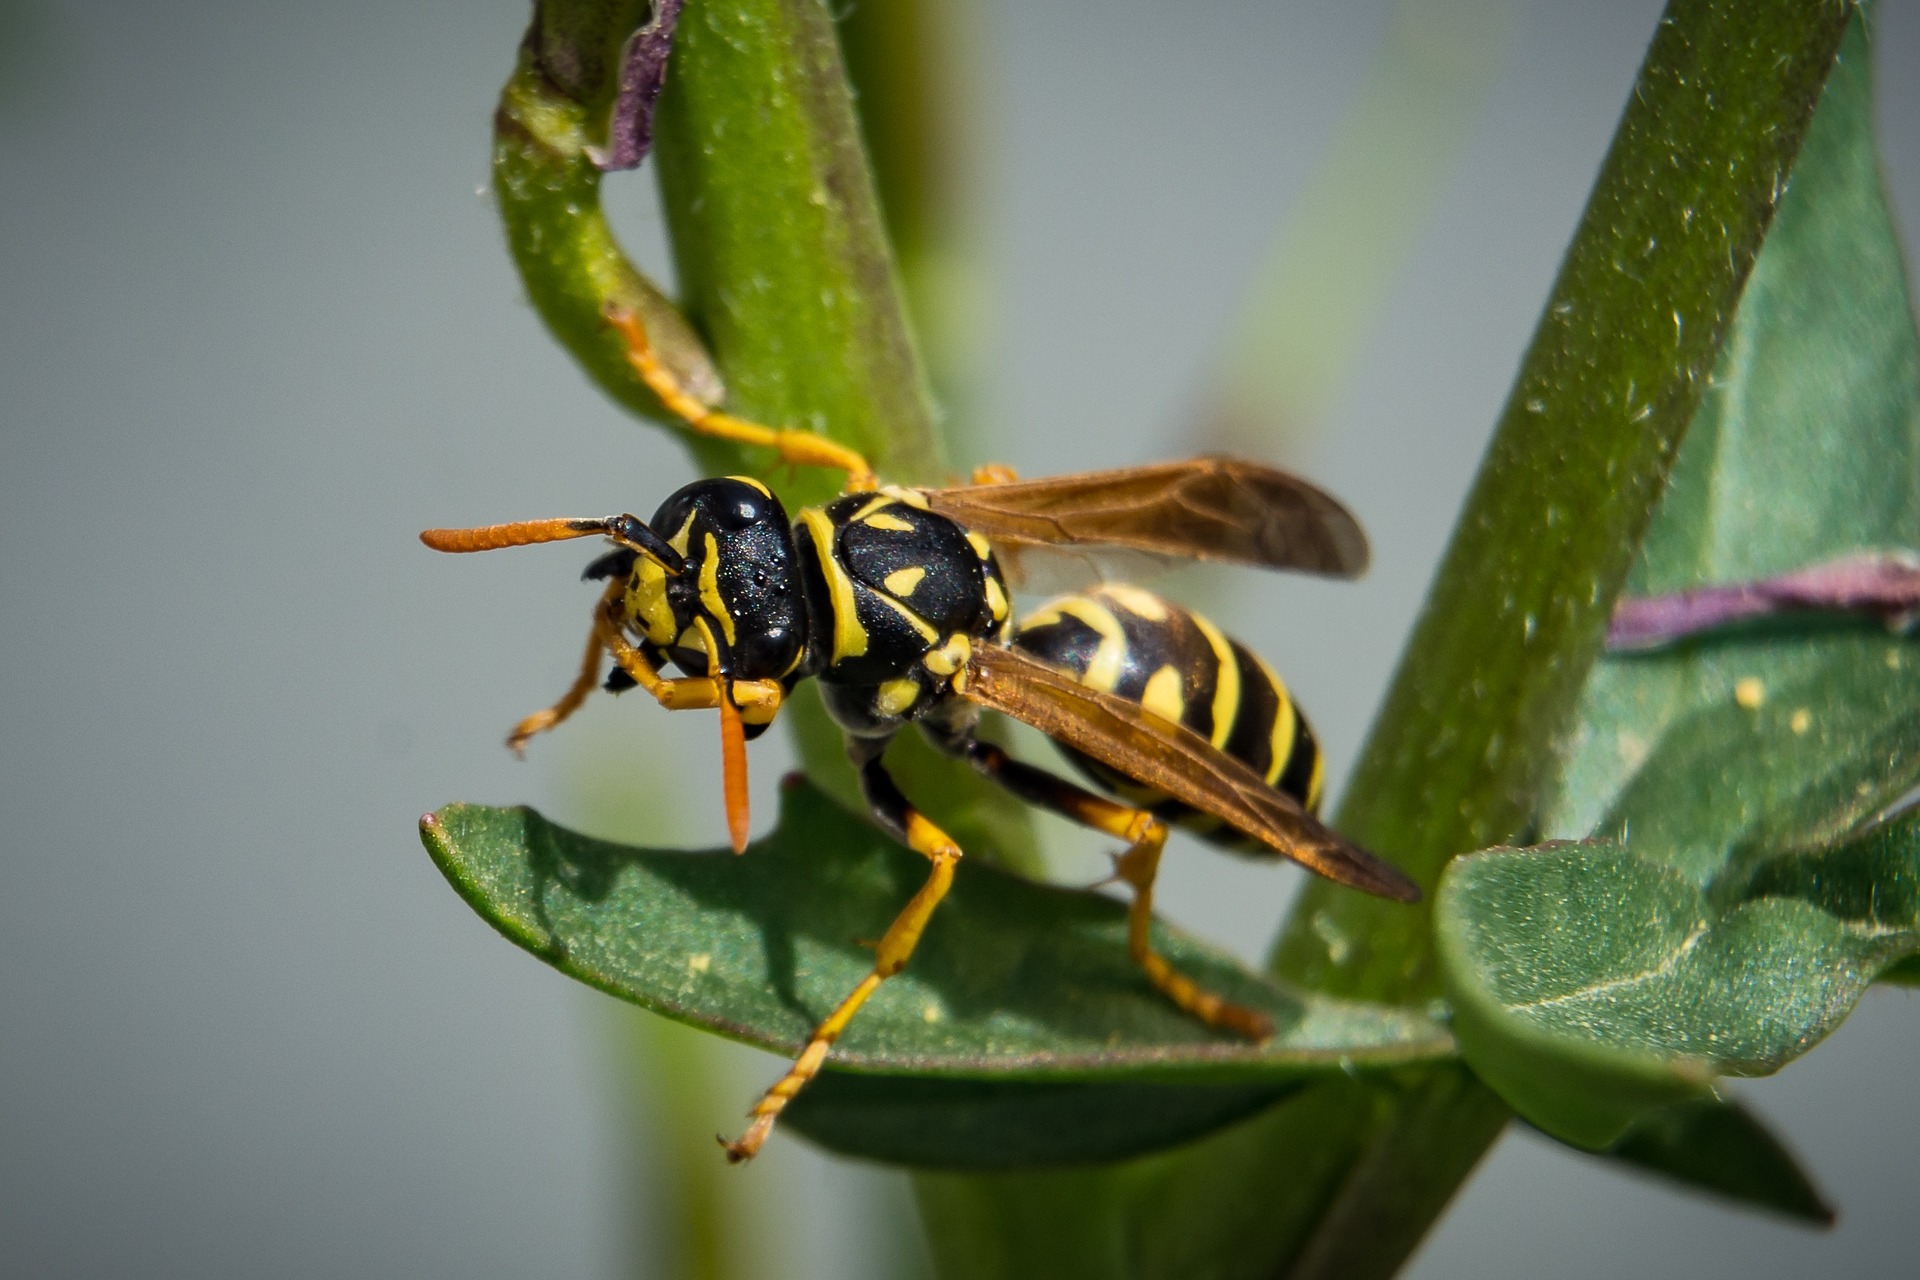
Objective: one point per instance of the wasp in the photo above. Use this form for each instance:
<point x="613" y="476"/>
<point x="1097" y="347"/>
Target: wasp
<point x="895" y="599"/>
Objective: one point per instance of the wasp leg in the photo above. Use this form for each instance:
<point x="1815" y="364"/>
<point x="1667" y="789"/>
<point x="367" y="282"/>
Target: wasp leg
<point x="739" y="701"/>
<point x="798" y="448"/>
<point x="993" y="473"/>
<point x="895" y="946"/>
<point x="1146" y="836"/>
<point x="583" y="684"/>
<point x="757" y="700"/>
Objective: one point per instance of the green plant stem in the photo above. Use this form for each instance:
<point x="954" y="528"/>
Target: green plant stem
<point x="913" y="68"/>
<point x="548" y="190"/>
<point x="1517" y="613"/>
<point x="1490" y="678"/>
<point x="778" y="239"/>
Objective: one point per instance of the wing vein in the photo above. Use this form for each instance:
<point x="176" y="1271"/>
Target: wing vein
<point x="1175" y="760"/>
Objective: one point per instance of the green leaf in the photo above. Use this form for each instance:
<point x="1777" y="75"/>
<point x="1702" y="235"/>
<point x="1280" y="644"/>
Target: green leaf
<point x="1807" y="448"/>
<point x="1722" y="1148"/>
<point x="1592" y="985"/>
<point x="994" y="1125"/>
<point x="548" y="191"/>
<point x="1904" y="974"/>
<point x="1014" y="983"/>
<point x="1594" y="981"/>
<point x="1733" y="747"/>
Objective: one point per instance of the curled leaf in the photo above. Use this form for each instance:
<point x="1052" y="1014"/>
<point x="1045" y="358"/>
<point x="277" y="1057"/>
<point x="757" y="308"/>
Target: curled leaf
<point x="1591" y="985"/>
<point x="548" y="192"/>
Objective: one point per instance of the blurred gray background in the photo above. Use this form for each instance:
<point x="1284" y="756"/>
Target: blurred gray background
<point x="258" y="329"/>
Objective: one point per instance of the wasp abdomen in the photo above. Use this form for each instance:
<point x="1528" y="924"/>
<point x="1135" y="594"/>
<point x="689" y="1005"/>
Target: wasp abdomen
<point x="1176" y="664"/>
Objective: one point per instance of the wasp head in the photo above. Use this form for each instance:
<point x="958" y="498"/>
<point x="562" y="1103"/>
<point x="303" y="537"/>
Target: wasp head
<point x="735" y="589"/>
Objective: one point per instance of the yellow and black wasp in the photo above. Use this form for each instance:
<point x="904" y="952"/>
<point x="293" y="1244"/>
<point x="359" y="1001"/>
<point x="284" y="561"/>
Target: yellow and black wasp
<point x="894" y="599"/>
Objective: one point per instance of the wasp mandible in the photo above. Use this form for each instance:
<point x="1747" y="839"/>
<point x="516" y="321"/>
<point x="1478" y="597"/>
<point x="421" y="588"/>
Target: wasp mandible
<point x="895" y="599"/>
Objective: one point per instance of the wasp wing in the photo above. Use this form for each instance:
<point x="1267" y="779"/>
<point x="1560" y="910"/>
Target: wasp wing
<point x="1199" y="509"/>
<point x="1173" y="759"/>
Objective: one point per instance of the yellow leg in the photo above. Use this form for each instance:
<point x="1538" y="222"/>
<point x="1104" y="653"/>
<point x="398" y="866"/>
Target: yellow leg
<point x="1138" y="866"/>
<point x="799" y="448"/>
<point x="993" y="473"/>
<point x="1146" y="837"/>
<point x="757" y="700"/>
<point x="896" y="945"/>
<point x="583" y="684"/>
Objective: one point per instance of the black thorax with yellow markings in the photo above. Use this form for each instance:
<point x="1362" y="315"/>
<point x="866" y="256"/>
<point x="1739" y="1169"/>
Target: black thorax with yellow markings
<point x="899" y="595"/>
<point x="874" y="594"/>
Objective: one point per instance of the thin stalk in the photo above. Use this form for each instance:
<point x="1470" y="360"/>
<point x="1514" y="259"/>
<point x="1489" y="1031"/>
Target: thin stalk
<point x="1489" y="682"/>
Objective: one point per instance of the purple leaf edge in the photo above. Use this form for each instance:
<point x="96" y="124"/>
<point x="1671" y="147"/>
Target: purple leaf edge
<point x="1882" y="584"/>
<point x="643" y="72"/>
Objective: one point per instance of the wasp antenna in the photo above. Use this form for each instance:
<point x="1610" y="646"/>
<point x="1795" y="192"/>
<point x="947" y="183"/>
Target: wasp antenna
<point x="520" y="533"/>
<point x="633" y="532"/>
<point x="733" y="739"/>
<point x="733" y="772"/>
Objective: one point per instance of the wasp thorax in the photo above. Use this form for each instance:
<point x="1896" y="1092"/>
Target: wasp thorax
<point x="899" y="594"/>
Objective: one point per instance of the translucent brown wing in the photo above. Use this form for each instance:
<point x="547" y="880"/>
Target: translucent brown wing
<point x="1199" y="509"/>
<point x="1173" y="759"/>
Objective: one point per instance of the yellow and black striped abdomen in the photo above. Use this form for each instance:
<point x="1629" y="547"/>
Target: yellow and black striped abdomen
<point x="1176" y="664"/>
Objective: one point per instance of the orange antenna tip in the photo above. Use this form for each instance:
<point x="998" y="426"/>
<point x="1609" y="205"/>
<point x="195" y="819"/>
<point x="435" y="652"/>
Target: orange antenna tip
<point x="733" y="760"/>
<point x="520" y="533"/>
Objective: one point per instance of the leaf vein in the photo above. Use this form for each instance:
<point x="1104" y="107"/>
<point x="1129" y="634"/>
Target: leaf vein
<point x="1596" y="989"/>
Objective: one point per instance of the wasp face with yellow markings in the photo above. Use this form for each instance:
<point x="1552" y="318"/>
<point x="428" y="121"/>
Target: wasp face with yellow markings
<point x="739" y="579"/>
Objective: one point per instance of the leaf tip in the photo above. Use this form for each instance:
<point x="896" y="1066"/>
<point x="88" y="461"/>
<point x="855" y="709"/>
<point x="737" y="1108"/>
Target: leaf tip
<point x="434" y="835"/>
